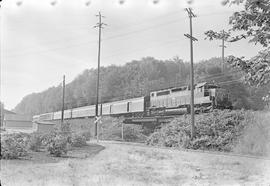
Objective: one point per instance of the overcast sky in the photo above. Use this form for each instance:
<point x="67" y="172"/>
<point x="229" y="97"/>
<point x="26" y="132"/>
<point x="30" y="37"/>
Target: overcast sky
<point x="42" y="39"/>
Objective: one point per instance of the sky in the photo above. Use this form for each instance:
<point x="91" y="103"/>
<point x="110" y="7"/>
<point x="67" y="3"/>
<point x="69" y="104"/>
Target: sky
<point x="42" y="40"/>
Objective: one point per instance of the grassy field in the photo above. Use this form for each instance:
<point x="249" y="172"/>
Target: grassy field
<point x="122" y="164"/>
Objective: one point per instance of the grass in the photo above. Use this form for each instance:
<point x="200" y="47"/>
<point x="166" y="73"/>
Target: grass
<point x="120" y="164"/>
<point x="255" y="138"/>
<point x="42" y="156"/>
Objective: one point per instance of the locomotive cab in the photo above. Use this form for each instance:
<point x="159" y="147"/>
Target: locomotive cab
<point x="218" y="96"/>
<point x="222" y="98"/>
<point x="206" y="96"/>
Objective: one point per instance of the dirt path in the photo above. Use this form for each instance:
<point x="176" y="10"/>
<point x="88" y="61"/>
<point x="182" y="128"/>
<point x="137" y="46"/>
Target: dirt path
<point x="120" y="164"/>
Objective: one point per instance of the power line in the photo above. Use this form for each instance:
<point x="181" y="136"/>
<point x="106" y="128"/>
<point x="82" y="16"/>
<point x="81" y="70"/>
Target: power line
<point x="116" y="36"/>
<point x="143" y="49"/>
<point x="220" y="75"/>
<point x="230" y="82"/>
<point x="132" y="24"/>
<point x="89" y="42"/>
<point x="52" y="49"/>
<point x="217" y="13"/>
<point x="108" y="38"/>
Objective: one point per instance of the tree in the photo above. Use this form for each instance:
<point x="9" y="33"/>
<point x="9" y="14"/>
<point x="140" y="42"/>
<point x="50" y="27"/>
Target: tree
<point x="254" y="24"/>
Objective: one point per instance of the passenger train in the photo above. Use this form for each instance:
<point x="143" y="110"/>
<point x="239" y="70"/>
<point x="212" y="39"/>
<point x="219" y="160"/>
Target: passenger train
<point x="168" y="101"/>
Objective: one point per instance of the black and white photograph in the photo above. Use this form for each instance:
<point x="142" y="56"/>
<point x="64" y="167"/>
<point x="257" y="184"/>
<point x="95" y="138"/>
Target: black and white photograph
<point x="135" y="92"/>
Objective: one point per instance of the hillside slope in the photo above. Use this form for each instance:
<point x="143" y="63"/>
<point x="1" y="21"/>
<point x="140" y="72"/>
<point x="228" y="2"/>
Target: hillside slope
<point x="138" y="78"/>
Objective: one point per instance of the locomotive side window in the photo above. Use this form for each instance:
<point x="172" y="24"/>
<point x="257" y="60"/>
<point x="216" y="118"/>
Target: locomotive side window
<point x="163" y="93"/>
<point x="178" y="89"/>
<point x="211" y="86"/>
<point x="153" y="94"/>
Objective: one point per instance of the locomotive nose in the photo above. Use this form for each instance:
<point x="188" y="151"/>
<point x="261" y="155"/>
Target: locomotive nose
<point x="223" y="99"/>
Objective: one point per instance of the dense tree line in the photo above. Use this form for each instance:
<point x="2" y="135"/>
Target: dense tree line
<point x="138" y="78"/>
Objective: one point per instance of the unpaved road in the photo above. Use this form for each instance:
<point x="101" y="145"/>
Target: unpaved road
<point x="122" y="164"/>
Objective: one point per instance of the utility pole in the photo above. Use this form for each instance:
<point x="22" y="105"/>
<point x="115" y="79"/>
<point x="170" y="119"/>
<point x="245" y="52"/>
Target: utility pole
<point x="99" y="26"/>
<point x="63" y="103"/>
<point x="191" y="15"/>
<point x="223" y="47"/>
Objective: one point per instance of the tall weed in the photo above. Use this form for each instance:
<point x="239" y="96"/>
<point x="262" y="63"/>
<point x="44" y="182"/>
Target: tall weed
<point x="255" y="138"/>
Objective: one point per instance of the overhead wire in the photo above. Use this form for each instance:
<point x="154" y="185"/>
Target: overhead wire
<point x="135" y="24"/>
<point x="132" y="32"/>
<point x="157" y="45"/>
<point x="108" y="38"/>
<point x="221" y="75"/>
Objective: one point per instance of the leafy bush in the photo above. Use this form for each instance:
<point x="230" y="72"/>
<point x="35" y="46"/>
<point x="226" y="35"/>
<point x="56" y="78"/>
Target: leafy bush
<point x="14" y="146"/>
<point x="35" y="141"/>
<point x="171" y="135"/>
<point x="77" y="140"/>
<point x="22" y="138"/>
<point x="86" y="134"/>
<point x="133" y="133"/>
<point x="56" y="143"/>
<point x="214" y="131"/>
<point x="46" y="138"/>
<point x="66" y="129"/>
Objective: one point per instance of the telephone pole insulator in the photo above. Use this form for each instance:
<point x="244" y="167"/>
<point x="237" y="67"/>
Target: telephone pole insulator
<point x="189" y="36"/>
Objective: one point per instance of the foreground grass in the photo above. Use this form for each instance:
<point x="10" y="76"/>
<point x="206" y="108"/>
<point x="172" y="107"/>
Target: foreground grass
<point x="255" y="138"/>
<point x="120" y="164"/>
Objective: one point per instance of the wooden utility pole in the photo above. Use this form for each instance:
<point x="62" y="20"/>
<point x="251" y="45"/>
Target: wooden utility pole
<point x="122" y="132"/>
<point x="63" y="102"/>
<point x="191" y="15"/>
<point x="99" y="26"/>
<point x="223" y="47"/>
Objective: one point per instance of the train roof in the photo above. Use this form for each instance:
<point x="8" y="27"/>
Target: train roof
<point x="130" y="99"/>
<point x="196" y="85"/>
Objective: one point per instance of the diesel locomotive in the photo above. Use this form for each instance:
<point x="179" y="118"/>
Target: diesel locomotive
<point x="163" y="102"/>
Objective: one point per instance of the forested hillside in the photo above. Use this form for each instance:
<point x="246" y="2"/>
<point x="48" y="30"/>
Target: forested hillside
<point x="138" y="78"/>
